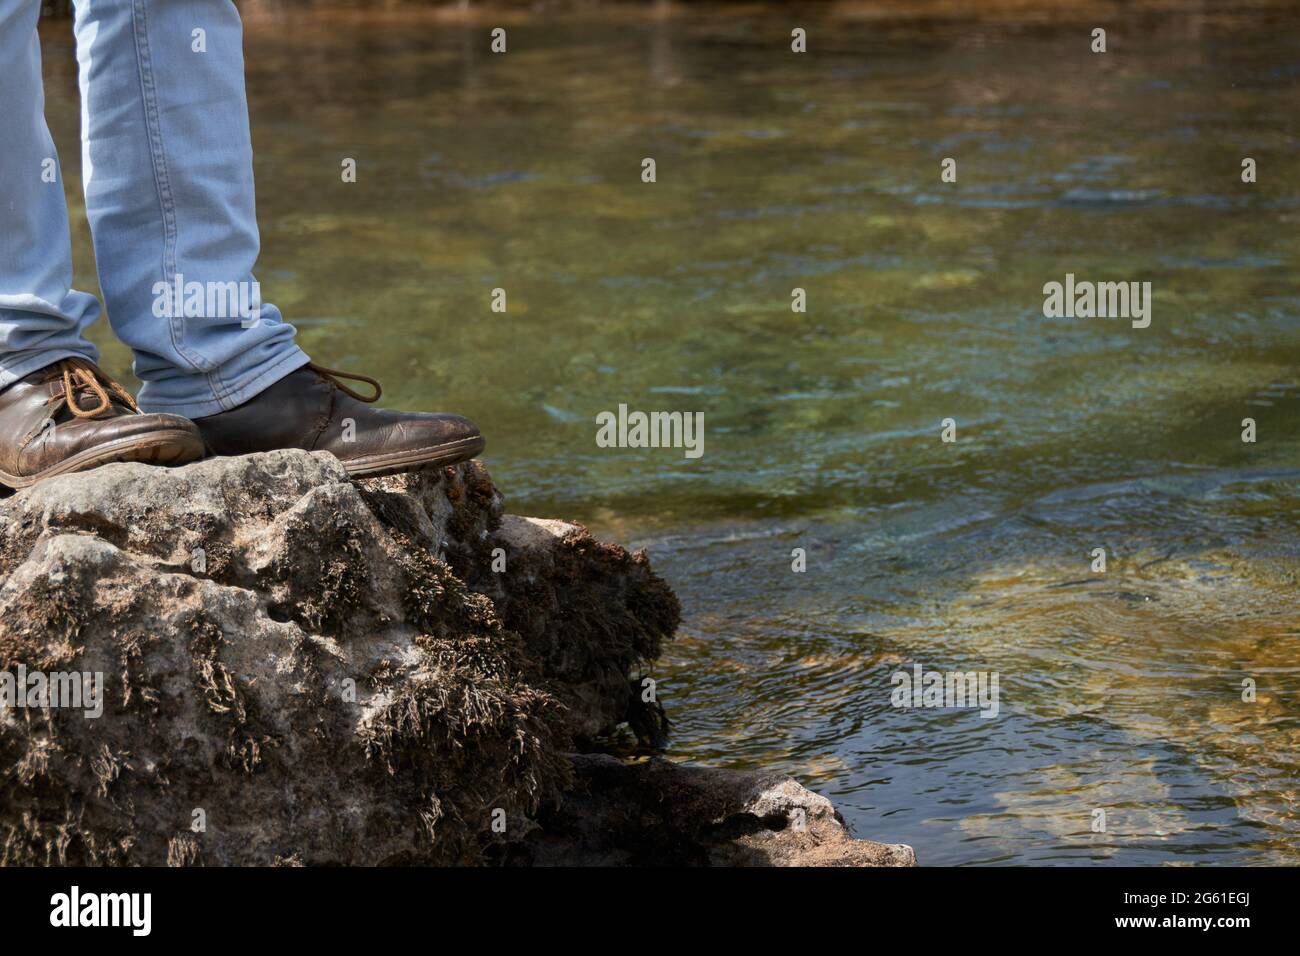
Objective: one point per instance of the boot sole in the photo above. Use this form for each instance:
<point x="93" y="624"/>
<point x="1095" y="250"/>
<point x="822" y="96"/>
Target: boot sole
<point x="170" y="446"/>
<point x="394" y="463"/>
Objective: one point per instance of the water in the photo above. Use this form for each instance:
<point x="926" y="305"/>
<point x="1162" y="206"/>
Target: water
<point x="1120" y="691"/>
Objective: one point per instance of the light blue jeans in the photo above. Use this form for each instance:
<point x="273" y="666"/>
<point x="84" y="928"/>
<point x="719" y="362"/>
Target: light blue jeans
<point x="168" y="176"/>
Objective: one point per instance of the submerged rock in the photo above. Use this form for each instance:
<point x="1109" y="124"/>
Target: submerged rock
<point x="658" y="813"/>
<point x="293" y="667"/>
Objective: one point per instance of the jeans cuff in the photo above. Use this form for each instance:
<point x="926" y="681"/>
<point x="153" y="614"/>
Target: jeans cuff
<point x="234" y="397"/>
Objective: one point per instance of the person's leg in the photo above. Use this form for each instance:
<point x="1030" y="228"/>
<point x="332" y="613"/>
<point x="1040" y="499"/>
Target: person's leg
<point x="41" y="317"/>
<point x="169" y="193"/>
<point x="58" y="412"/>
<point x="168" y="175"/>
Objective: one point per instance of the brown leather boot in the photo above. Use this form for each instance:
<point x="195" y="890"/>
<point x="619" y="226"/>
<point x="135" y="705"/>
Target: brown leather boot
<point x="70" y="416"/>
<point x="313" y="410"/>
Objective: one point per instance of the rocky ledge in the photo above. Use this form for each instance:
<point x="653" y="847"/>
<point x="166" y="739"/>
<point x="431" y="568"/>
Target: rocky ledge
<point x="258" y="661"/>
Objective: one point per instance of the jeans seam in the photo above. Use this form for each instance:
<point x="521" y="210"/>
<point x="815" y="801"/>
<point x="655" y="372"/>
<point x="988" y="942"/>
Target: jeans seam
<point x="220" y="390"/>
<point x="162" y="177"/>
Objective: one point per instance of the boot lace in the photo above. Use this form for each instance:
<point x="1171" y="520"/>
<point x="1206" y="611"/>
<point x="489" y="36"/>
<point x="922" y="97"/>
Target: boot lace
<point x="81" y="376"/>
<point x="332" y="375"/>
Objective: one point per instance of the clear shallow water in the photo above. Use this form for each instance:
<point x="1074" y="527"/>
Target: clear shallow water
<point x="1119" y="691"/>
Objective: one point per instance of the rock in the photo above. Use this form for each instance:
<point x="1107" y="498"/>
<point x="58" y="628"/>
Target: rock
<point x="297" y="668"/>
<point x="658" y="813"/>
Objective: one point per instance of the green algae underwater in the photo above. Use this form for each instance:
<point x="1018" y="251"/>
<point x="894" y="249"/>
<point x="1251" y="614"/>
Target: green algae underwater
<point x="1120" y="691"/>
